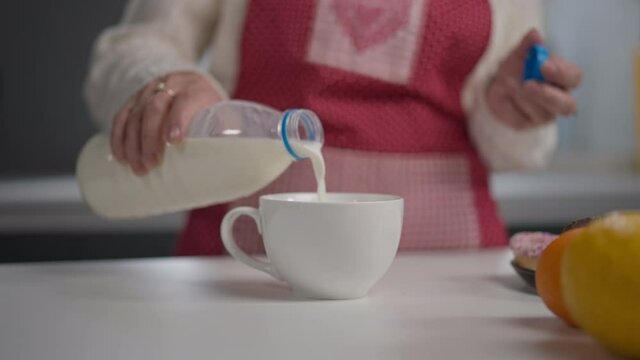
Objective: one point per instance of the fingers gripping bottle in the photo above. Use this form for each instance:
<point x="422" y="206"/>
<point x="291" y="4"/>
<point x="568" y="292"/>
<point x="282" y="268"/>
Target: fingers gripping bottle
<point x="231" y="150"/>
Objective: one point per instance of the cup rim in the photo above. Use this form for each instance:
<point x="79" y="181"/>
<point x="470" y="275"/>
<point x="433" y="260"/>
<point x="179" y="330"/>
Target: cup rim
<point x="361" y="198"/>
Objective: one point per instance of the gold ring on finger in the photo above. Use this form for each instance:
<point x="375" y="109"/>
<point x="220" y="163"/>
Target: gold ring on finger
<point x="162" y="86"/>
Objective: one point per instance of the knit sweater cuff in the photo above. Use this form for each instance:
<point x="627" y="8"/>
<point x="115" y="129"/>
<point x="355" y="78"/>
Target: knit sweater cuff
<point x="504" y="148"/>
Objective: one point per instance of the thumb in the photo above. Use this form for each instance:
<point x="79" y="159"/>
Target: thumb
<point x="182" y="111"/>
<point x="514" y="62"/>
<point x="532" y="37"/>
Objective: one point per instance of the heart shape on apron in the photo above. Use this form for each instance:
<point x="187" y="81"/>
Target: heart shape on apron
<point x="371" y="22"/>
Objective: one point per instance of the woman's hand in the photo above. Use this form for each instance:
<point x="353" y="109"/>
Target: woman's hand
<point x="530" y="104"/>
<point x="159" y="113"/>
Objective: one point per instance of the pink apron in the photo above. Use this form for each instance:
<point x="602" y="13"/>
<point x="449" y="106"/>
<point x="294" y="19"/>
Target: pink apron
<point x="385" y="78"/>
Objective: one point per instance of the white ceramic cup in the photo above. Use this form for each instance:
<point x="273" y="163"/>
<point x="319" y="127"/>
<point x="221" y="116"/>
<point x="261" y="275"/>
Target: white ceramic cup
<point x="337" y="249"/>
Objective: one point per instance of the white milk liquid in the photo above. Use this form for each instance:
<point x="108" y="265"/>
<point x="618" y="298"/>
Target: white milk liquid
<point x="313" y="151"/>
<point x="196" y="173"/>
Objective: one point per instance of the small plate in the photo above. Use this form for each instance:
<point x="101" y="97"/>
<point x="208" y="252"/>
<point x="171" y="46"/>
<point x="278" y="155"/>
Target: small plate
<point x="529" y="276"/>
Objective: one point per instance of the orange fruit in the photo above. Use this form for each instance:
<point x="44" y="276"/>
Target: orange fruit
<point x="548" y="275"/>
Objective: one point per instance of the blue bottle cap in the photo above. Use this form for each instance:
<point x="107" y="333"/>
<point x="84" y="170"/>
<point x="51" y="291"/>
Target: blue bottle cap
<point x="537" y="56"/>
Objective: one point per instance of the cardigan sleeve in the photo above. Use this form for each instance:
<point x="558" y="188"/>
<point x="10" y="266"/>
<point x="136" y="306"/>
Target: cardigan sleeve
<point x="500" y="146"/>
<point x="155" y="38"/>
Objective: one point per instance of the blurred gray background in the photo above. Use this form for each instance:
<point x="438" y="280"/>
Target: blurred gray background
<point x="43" y="121"/>
<point x="46" y="45"/>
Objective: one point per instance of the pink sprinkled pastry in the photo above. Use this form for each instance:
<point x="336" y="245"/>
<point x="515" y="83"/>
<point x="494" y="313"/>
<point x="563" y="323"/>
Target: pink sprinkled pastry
<point x="527" y="247"/>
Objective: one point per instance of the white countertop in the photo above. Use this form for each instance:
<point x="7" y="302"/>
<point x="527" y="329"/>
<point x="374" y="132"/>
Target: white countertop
<point x="54" y="204"/>
<point x="438" y="305"/>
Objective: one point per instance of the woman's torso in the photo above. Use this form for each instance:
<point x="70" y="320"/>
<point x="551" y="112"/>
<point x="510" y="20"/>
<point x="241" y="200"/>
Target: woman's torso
<point x="386" y="80"/>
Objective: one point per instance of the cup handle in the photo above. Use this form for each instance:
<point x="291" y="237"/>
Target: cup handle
<point x="226" y="232"/>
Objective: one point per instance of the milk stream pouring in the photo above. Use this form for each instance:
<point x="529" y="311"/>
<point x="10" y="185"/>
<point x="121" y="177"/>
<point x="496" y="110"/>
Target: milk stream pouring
<point x="232" y="150"/>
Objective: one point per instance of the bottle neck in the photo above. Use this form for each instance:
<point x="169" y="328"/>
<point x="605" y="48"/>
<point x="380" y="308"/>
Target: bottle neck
<point x="300" y="127"/>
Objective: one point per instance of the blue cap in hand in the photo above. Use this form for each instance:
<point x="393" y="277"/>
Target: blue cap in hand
<point x="537" y="56"/>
